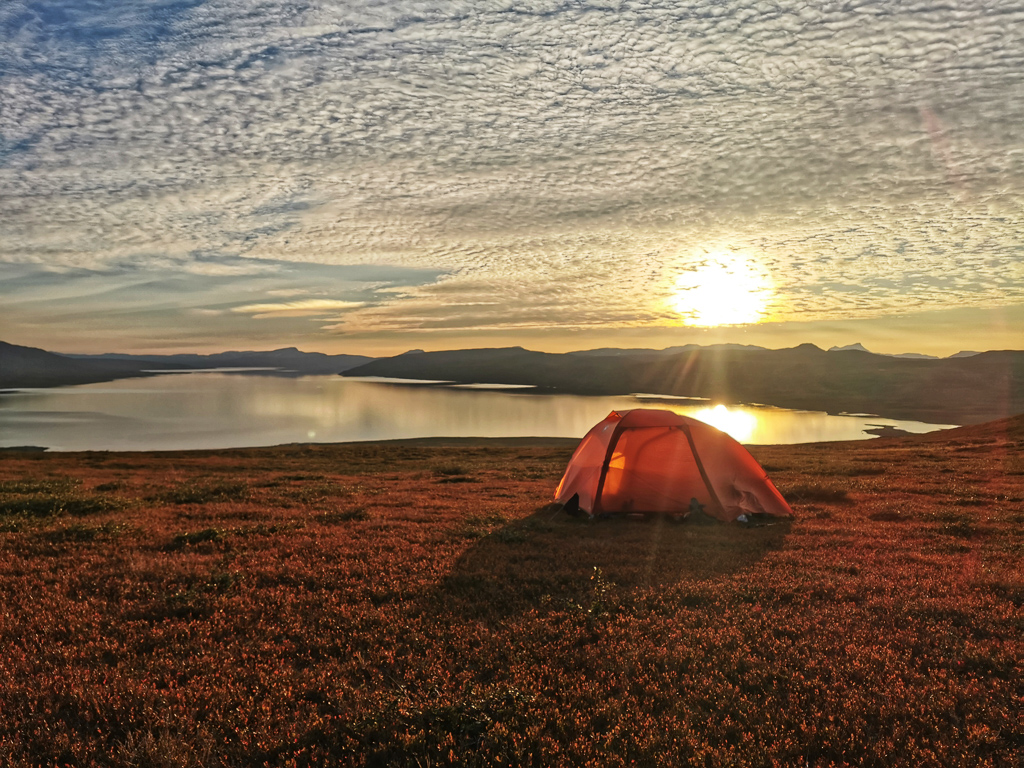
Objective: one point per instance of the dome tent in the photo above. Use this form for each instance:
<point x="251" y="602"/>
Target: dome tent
<point x="654" y="461"/>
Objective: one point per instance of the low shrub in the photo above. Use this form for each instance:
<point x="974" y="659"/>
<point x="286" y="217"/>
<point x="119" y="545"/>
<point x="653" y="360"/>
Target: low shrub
<point x="77" y="532"/>
<point x="343" y="515"/>
<point x="52" y="498"/>
<point x="204" y="493"/>
<point x="449" y="470"/>
<point x="205" y="536"/>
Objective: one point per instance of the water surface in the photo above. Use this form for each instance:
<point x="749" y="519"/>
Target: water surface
<point x="222" y="410"/>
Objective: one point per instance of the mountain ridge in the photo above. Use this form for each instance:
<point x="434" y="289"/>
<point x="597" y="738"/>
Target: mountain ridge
<point x="858" y="347"/>
<point x="964" y="390"/>
<point x="30" y="367"/>
<point x="958" y="389"/>
<point x="288" y="360"/>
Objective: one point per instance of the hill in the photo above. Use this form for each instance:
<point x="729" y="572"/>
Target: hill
<point x="415" y="603"/>
<point x="30" y="367"/>
<point x="285" y="362"/>
<point x="962" y="390"/>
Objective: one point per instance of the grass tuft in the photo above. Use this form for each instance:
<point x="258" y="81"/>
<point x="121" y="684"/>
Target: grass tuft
<point x="205" y="536"/>
<point x="343" y="515"/>
<point x="200" y="492"/>
<point x="113" y="485"/>
<point x="449" y="470"/>
<point x="811" y="492"/>
<point x="163" y="749"/>
<point x="53" y="498"/>
<point x="80" y="533"/>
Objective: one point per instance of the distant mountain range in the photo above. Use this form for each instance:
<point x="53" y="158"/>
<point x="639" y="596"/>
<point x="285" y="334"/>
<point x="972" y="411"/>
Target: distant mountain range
<point x="961" y="390"/>
<point x="858" y="347"/>
<point x="287" y="361"/>
<point x="30" y="367"/>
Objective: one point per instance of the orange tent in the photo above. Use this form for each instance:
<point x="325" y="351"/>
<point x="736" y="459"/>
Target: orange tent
<point x="653" y="461"/>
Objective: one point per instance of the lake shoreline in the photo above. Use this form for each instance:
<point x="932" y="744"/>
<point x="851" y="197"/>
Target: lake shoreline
<point x="939" y="417"/>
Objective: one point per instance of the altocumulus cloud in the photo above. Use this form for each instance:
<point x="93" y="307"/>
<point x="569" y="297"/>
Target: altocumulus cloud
<point x="540" y="160"/>
<point x="193" y="301"/>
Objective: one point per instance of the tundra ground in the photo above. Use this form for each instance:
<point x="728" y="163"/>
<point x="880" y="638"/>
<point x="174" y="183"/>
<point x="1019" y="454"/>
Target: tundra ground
<point x="415" y="603"/>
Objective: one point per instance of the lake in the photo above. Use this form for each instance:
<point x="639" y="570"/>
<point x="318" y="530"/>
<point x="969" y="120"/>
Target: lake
<point x="225" y="410"/>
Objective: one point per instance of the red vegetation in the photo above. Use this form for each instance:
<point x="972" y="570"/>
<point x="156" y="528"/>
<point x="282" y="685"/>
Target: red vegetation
<point x="408" y="604"/>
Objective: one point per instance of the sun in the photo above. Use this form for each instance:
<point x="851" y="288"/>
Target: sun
<point x="727" y="289"/>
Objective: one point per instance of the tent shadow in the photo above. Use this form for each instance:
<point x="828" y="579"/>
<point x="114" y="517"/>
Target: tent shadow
<point x="552" y="557"/>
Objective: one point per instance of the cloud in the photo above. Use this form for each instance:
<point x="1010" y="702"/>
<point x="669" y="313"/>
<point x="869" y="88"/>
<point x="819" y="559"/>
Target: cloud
<point x="166" y="304"/>
<point x="301" y="308"/>
<point x="552" y="164"/>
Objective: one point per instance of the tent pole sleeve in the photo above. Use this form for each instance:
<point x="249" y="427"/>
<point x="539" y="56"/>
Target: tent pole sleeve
<point x="604" y="467"/>
<point x="700" y="468"/>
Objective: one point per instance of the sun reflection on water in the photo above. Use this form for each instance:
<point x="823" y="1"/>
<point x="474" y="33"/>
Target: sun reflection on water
<point x="739" y="425"/>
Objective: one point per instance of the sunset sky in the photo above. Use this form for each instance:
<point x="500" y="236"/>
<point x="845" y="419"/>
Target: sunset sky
<point x="369" y="177"/>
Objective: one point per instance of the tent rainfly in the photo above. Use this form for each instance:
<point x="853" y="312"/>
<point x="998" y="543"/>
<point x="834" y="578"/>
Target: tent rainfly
<point x="657" y="462"/>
